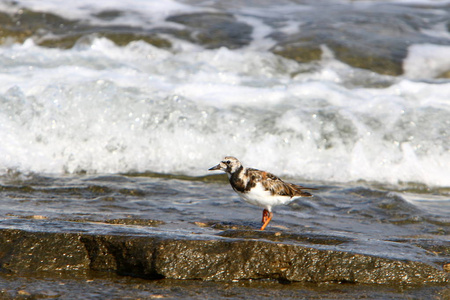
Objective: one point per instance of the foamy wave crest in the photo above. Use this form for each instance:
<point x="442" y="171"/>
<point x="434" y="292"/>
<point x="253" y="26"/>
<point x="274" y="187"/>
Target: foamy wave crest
<point x="109" y="109"/>
<point x="427" y="61"/>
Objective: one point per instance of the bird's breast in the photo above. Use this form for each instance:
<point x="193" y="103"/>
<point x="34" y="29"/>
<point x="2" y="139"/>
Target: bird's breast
<point x="260" y="196"/>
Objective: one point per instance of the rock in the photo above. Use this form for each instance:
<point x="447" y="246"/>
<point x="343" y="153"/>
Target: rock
<point x="23" y="293"/>
<point x="213" y="30"/>
<point x="205" y="257"/>
<point x="376" y="39"/>
<point x="22" y="251"/>
<point x="120" y="38"/>
<point x="66" y="33"/>
<point x="445" y="75"/>
<point x="26" y="23"/>
<point x="384" y="58"/>
<point x="446" y="267"/>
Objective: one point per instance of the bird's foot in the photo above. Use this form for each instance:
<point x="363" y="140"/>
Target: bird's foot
<point x="267" y="216"/>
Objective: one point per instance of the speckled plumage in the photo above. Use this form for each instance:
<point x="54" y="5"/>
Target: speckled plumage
<point x="259" y="187"/>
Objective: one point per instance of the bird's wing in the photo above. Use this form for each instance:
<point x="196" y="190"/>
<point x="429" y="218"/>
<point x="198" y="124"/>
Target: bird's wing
<point x="277" y="186"/>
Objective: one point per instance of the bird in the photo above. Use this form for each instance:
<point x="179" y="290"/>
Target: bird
<point x="260" y="188"/>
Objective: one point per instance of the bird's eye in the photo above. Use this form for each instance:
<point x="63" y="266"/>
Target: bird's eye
<point x="228" y="162"/>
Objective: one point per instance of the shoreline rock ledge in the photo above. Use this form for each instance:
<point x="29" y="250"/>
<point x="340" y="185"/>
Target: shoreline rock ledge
<point x="206" y="257"/>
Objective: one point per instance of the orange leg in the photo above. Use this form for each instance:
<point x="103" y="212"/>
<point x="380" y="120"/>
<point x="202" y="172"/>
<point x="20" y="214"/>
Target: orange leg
<point x="267" y="216"/>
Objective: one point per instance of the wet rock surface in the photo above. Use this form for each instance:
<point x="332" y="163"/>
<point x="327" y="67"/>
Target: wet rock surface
<point x="227" y="256"/>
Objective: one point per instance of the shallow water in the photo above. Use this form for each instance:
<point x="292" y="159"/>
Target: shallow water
<point x="112" y="287"/>
<point x="362" y="218"/>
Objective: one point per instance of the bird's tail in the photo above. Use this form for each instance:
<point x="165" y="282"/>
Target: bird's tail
<point x="300" y="190"/>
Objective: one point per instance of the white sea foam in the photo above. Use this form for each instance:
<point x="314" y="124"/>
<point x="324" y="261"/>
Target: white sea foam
<point x="142" y="11"/>
<point x="109" y="109"/>
<point x="427" y="61"/>
<point x="101" y="108"/>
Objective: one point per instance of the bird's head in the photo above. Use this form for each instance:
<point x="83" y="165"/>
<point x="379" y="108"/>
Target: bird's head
<point x="229" y="164"/>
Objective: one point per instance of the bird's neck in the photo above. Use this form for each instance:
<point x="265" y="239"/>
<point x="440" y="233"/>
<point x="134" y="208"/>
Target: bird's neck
<point x="237" y="179"/>
<point x="237" y="173"/>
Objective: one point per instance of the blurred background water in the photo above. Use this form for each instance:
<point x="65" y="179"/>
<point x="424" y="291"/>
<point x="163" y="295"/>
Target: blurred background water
<point x="338" y="91"/>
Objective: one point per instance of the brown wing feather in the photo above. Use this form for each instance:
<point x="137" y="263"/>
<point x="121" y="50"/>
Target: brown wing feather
<point x="277" y="186"/>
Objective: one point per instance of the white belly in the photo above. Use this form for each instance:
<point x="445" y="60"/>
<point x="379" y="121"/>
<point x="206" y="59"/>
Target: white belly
<point x="260" y="197"/>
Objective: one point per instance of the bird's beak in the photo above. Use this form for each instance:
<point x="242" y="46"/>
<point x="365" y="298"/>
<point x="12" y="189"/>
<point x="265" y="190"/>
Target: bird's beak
<point x="214" y="168"/>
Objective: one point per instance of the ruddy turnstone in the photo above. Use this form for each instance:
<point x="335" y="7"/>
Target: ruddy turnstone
<point x="260" y="187"/>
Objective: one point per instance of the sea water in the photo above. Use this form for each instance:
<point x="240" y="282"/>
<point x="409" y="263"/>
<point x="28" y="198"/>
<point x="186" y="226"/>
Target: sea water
<point x="101" y="108"/>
